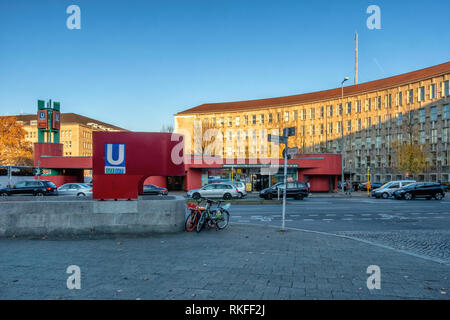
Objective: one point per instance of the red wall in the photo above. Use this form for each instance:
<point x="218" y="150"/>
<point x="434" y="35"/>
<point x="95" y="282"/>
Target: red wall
<point x="159" y="181"/>
<point x="193" y="179"/>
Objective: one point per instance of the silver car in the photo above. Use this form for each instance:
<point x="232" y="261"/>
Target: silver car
<point x="75" y="189"/>
<point x="387" y="190"/>
<point x="225" y="191"/>
<point x="241" y="189"/>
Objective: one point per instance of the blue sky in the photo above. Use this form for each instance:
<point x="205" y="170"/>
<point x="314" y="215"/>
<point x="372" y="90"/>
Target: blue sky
<point x="136" y="63"/>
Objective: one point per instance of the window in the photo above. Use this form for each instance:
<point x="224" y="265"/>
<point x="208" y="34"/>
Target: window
<point x="349" y="126"/>
<point x="295" y="115"/>
<point x="422" y="94"/>
<point x="422" y="137"/>
<point x="368" y="123"/>
<point x="379" y="102"/>
<point x="422" y="115"/>
<point x="446" y="113"/>
<point x="446" y="88"/>
<point x="322" y="112"/>
<point x="321" y="129"/>
<point x="340" y="109"/>
<point x="389" y="100"/>
<point x="359" y="125"/>
<point x="367" y="105"/>
<point x="378" y="142"/>
<point x="433" y="91"/>
<point x="270" y="118"/>
<point x="349" y="108"/>
<point x="445" y="137"/>
<point x="400" y="98"/>
<point x="261" y="118"/>
<point x="368" y="142"/>
<point x="330" y="111"/>
<point x="433" y="113"/>
<point x="411" y="96"/>
<point x="254" y="119"/>
<point x="238" y="121"/>
<point x="286" y="116"/>
<point x="246" y="120"/>
<point x="358" y="106"/>
<point x="338" y="127"/>
<point x="433" y="135"/>
<point x="399" y="119"/>
<point x="278" y="117"/>
<point x="230" y="121"/>
<point x="330" y="128"/>
<point x="311" y="113"/>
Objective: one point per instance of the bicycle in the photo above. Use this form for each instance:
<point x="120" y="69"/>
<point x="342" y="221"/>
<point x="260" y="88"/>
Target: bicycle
<point x="215" y="219"/>
<point x="193" y="217"/>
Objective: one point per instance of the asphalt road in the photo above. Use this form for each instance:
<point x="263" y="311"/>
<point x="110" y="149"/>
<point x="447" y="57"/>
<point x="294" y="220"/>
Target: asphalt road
<point x="420" y="227"/>
<point x="350" y="214"/>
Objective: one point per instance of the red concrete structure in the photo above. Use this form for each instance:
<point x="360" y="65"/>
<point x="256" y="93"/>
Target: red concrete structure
<point x="321" y="170"/>
<point x="148" y="161"/>
<point x="65" y="169"/>
<point x="122" y="161"/>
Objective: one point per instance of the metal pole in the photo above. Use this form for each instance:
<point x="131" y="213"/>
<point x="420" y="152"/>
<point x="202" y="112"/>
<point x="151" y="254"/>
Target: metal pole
<point x="342" y="136"/>
<point x="284" y="191"/>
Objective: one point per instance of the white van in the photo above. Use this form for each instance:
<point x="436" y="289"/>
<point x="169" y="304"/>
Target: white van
<point x="387" y="190"/>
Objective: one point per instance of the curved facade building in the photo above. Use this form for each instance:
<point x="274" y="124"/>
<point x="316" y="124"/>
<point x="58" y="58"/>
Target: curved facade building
<point x="365" y="120"/>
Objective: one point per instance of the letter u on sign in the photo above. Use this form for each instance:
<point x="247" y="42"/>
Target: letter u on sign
<point x="114" y="158"/>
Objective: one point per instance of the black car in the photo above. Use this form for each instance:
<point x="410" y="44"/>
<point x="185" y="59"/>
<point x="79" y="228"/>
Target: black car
<point x="296" y="190"/>
<point x="151" y="189"/>
<point x="32" y="187"/>
<point x="426" y="190"/>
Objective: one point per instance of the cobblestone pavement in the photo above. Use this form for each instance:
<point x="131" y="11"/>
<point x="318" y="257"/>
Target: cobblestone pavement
<point x="241" y="262"/>
<point x="434" y="244"/>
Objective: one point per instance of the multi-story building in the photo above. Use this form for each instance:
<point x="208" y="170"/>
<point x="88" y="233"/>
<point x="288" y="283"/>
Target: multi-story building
<point x="76" y="132"/>
<point x="366" y="118"/>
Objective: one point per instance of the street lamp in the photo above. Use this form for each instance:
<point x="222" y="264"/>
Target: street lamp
<point x="342" y="133"/>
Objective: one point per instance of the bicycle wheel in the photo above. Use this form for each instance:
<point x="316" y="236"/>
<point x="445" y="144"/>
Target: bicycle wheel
<point x="191" y="221"/>
<point x="223" y="219"/>
<point x="201" y="221"/>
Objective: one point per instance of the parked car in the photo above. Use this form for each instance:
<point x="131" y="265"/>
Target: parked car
<point x="426" y="190"/>
<point x="373" y="186"/>
<point x="296" y="190"/>
<point x="226" y="191"/>
<point x="32" y="187"/>
<point x="387" y="190"/>
<point x="75" y="189"/>
<point x="152" y="189"/>
<point x="241" y="188"/>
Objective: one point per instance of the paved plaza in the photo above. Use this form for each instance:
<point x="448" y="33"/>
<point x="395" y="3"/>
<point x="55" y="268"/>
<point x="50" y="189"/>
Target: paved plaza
<point x="241" y="262"/>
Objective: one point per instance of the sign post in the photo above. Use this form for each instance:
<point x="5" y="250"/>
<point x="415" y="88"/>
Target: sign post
<point x="287" y="132"/>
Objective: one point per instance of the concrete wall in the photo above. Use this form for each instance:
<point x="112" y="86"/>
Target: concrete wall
<point x="65" y="218"/>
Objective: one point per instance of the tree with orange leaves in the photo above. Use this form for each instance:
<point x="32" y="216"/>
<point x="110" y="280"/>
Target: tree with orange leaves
<point x="14" y="149"/>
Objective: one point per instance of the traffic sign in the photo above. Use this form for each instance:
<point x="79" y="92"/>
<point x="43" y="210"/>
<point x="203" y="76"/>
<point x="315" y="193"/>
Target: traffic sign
<point x="289" y="132"/>
<point x="277" y="139"/>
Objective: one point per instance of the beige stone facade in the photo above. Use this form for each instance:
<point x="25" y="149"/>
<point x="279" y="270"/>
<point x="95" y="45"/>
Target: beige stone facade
<point x="370" y="117"/>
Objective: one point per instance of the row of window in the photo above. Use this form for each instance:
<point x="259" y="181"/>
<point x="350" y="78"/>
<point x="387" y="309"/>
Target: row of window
<point x="381" y="162"/>
<point x="331" y="110"/>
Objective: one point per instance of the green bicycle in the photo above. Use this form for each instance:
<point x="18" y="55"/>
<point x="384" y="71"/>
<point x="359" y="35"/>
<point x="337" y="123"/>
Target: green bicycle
<point x="214" y="219"/>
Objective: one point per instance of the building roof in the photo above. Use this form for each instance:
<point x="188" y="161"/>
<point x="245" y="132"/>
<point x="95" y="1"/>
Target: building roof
<point x="67" y="118"/>
<point x="321" y="95"/>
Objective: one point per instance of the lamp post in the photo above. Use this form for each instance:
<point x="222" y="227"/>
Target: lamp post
<point x="342" y="133"/>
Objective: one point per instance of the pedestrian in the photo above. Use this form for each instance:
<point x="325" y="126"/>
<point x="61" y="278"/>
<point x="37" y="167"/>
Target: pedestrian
<point x="308" y="187"/>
